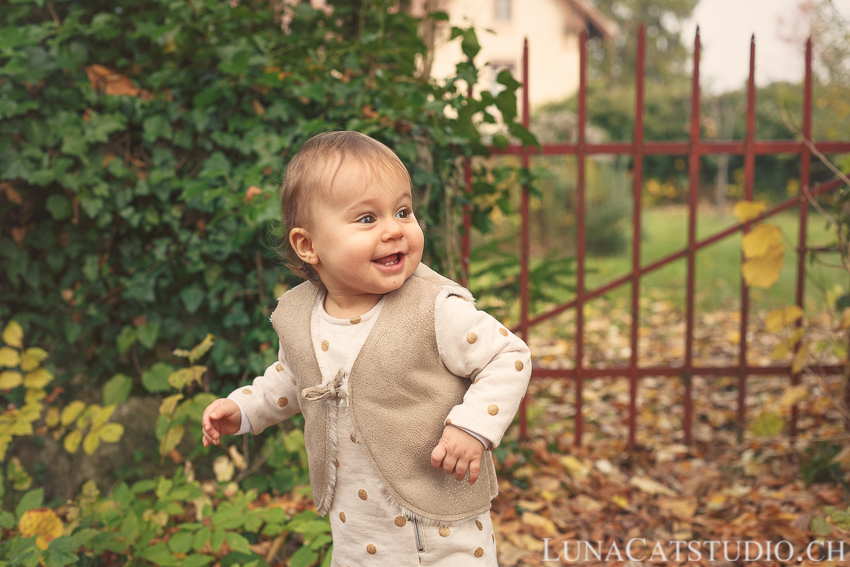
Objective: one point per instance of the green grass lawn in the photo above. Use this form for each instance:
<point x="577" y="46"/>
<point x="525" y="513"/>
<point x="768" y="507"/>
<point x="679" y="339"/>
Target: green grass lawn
<point x="718" y="272"/>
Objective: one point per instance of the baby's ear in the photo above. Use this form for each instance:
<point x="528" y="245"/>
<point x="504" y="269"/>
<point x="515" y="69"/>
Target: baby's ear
<point x="302" y="243"/>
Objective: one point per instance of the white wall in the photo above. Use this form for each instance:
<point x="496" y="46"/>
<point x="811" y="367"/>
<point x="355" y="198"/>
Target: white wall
<point x="549" y="26"/>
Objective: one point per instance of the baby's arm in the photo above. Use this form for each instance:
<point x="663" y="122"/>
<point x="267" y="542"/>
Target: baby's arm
<point x="473" y="344"/>
<point x="271" y="398"/>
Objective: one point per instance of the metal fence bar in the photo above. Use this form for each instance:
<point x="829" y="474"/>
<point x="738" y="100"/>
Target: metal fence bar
<point x="525" y="243"/>
<point x="805" y="174"/>
<point x="676" y="371"/>
<point x="581" y="235"/>
<point x="637" y="183"/>
<point x="704" y="147"/>
<point x="693" y="199"/>
<point x="749" y="181"/>
<point x="465" y="244"/>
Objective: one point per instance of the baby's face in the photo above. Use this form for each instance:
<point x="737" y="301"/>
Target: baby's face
<point x="365" y="235"/>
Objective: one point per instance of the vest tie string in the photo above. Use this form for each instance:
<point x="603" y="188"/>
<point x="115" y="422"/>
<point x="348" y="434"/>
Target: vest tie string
<point x="331" y="390"/>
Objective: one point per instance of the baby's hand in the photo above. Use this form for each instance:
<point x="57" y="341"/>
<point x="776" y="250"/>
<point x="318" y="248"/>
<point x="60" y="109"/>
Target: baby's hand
<point x="456" y="451"/>
<point x="222" y="417"/>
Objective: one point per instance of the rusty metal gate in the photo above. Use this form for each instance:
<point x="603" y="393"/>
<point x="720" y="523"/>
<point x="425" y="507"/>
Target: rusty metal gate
<point x="749" y="147"/>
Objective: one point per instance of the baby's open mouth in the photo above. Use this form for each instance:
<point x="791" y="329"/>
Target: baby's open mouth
<point x="390" y="260"/>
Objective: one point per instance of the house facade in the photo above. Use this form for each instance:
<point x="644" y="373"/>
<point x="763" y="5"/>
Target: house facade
<point x="551" y="26"/>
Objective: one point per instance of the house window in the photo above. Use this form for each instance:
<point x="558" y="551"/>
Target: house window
<point x="495" y="69"/>
<point x="503" y="10"/>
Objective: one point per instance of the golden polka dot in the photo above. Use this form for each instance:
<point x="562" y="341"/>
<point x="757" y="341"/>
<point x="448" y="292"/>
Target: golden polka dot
<point x="445" y="531"/>
<point x="353" y="440"/>
<point x="479" y="552"/>
<point x="336" y="463"/>
<point x="354" y="320"/>
<point x="279" y="367"/>
<point x="479" y="525"/>
<point x="517" y="364"/>
<point x="492" y="409"/>
<point x="325" y="346"/>
<point x="342" y="517"/>
<point x="471" y="338"/>
<point x="504" y="332"/>
<point x="400" y="521"/>
<point x="282" y="402"/>
<point x="371" y="548"/>
<point x="362" y="494"/>
<point x="246" y="391"/>
<point x="448" y="421"/>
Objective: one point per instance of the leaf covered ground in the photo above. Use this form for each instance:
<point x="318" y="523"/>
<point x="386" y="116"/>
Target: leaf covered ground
<point x="718" y="489"/>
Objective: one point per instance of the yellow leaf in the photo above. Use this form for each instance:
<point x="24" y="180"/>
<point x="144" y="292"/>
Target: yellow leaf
<point x="845" y="319"/>
<point x="763" y="271"/>
<point x="102" y="415"/>
<point x="41" y="522"/>
<point x="748" y="210"/>
<point x="111" y="432"/>
<point x="172" y="438"/>
<point x="168" y="405"/>
<point x="10" y="379"/>
<point x="768" y="424"/>
<point x="223" y="468"/>
<point x="20" y="428"/>
<point x="780" y="351"/>
<point x="791" y="396"/>
<point x="5" y="439"/>
<point x="800" y="358"/>
<point x="620" y="501"/>
<point x="13" y="334"/>
<point x="9" y="357"/>
<point x="71" y="412"/>
<point x="778" y="319"/>
<point x="185" y="376"/>
<point x="575" y="467"/>
<point x="238" y="459"/>
<point x="91" y="441"/>
<point x="52" y="417"/>
<point x="763" y="240"/>
<point x="32" y="358"/>
<point x="35" y="396"/>
<point x="202" y="348"/>
<point x="537" y="521"/>
<point x="72" y="441"/>
<point x="38" y="378"/>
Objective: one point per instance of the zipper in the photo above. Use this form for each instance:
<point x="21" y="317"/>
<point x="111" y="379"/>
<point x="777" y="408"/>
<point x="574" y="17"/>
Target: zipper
<point x="418" y="539"/>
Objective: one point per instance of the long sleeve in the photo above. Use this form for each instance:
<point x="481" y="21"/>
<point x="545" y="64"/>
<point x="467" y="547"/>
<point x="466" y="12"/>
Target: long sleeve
<point x="270" y="399"/>
<point x="475" y="345"/>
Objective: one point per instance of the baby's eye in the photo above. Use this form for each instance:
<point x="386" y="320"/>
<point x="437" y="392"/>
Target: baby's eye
<point x="366" y="219"/>
<point x="404" y="214"/>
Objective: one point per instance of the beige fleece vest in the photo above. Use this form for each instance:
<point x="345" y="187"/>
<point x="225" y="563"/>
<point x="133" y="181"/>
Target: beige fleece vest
<point x="399" y="394"/>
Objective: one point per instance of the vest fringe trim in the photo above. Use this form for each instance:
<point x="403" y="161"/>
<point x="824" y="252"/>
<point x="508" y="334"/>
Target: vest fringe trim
<point x="324" y="506"/>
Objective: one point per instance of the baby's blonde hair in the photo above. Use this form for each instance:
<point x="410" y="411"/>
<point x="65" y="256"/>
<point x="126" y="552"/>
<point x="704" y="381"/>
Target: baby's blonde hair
<point x="307" y="179"/>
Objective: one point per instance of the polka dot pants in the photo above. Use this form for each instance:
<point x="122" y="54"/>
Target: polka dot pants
<point x="368" y="529"/>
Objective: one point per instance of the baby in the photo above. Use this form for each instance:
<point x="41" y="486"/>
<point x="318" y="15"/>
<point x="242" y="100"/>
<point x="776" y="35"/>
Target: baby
<point x="379" y="346"/>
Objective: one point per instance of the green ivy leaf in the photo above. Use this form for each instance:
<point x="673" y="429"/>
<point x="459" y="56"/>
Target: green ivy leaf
<point x="59" y="207"/>
<point x="159" y="554"/>
<point x="125" y="339"/>
<point x="155" y="379"/>
<point x="117" y="389"/>
<point x="181" y="542"/>
<point x="192" y="297"/>
<point x="148" y="333"/>
<point x="32" y="499"/>
<point x="60" y="552"/>
<point x="156" y="126"/>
